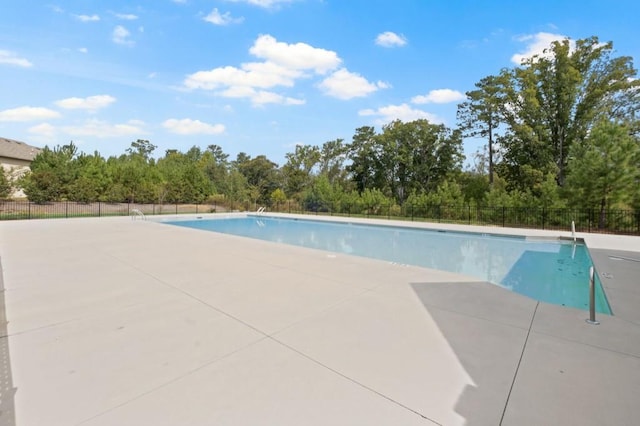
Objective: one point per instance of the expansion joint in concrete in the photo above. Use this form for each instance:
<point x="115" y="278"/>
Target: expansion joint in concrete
<point x="515" y="374"/>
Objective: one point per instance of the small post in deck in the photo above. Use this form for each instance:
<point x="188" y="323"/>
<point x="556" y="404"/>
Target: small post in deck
<point x="592" y="299"/>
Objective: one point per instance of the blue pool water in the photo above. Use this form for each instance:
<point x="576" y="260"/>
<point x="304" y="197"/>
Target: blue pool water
<point x="551" y="271"/>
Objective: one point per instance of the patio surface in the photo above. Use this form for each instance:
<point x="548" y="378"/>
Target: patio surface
<point x="111" y="321"/>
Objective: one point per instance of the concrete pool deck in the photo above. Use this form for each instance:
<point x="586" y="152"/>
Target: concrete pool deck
<point x="111" y="321"/>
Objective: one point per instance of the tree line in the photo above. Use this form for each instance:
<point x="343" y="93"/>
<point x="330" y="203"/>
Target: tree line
<point x="561" y="130"/>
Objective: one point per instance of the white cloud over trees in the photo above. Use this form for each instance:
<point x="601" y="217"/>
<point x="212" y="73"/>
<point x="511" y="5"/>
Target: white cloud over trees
<point x="439" y="96"/>
<point x="403" y="112"/>
<point x="343" y="84"/>
<point x="536" y="44"/>
<point x="187" y="126"/>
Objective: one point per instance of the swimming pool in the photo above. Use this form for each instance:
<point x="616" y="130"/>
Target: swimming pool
<point x="552" y="271"/>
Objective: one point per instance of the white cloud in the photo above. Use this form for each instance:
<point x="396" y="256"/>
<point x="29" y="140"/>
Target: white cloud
<point x="121" y="36"/>
<point x="83" y="50"/>
<point x="401" y="112"/>
<point x="45" y="130"/>
<point x="390" y="39"/>
<point x="27" y="113"/>
<point x="255" y="74"/>
<point x="180" y="1"/>
<point x="87" y="18"/>
<point x="439" y="96"/>
<point x="217" y="18"/>
<point x="298" y="56"/>
<point x="90" y="103"/>
<point x="263" y="97"/>
<point x="267" y="4"/>
<point x="103" y="129"/>
<point x="259" y="97"/>
<point x="283" y="65"/>
<point x="187" y="126"/>
<point x="10" y="58"/>
<point x="138" y="123"/>
<point x="343" y="84"/>
<point x="238" y="92"/>
<point x="126" y="16"/>
<point x="536" y="43"/>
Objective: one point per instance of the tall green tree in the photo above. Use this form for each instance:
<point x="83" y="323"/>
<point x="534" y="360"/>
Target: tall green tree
<point x="52" y="172"/>
<point x="183" y="181"/>
<point x="298" y="171"/>
<point x="215" y="164"/>
<point x="554" y="99"/>
<point x="134" y="176"/>
<point x="405" y="157"/>
<point x="236" y="189"/>
<point x="479" y="115"/>
<point x="143" y="148"/>
<point x="262" y="177"/>
<point x="418" y="156"/>
<point x="364" y="154"/>
<point x="333" y="155"/>
<point x="92" y="179"/>
<point x="604" y="168"/>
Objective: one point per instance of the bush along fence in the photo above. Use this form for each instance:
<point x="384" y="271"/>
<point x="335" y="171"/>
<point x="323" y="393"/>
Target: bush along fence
<point x="586" y="220"/>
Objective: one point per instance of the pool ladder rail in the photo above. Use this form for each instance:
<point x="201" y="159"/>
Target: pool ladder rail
<point x="261" y="210"/>
<point x="136" y="213"/>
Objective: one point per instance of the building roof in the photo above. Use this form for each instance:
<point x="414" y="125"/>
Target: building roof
<point x="17" y="150"/>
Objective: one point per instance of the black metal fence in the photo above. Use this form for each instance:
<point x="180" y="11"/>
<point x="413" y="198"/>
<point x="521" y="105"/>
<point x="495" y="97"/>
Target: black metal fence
<point x="589" y="220"/>
<point x="68" y="209"/>
<point x="612" y="221"/>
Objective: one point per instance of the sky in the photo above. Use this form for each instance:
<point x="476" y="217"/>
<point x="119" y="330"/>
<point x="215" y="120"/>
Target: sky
<point x="262" y="76"/>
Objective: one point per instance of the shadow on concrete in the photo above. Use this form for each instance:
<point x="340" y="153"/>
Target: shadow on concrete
<point x="487" y="328"/>
<point x="7" y="391"/>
